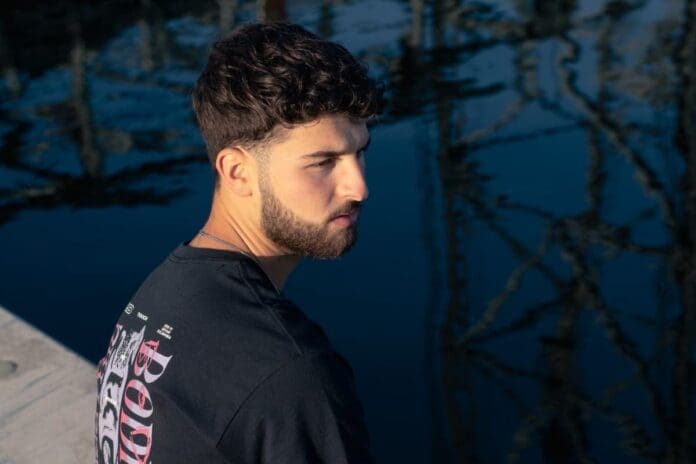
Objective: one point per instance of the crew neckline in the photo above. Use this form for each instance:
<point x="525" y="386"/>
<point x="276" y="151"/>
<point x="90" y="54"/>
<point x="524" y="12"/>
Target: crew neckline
<point x="184" y="251"/>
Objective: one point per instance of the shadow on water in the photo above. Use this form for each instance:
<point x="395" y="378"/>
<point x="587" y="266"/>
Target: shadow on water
<point x="516" y="373"/>
<point x="558" y="177"/>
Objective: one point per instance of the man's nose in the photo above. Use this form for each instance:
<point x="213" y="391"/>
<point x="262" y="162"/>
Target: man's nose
<point x="352" y="183"/>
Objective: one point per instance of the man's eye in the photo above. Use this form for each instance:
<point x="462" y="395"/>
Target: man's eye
<point x="326" y="162"/>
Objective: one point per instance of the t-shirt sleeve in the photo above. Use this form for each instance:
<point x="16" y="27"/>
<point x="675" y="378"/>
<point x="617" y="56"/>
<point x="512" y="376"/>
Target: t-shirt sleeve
<point x="307" y="412"/>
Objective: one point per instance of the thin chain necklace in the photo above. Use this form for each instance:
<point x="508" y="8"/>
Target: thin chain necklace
<point x="203" y="233"/>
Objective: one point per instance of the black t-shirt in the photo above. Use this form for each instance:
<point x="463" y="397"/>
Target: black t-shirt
<point x="209" y="364"/>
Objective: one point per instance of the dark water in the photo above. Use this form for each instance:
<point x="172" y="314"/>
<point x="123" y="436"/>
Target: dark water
<point x="524" y="285"/>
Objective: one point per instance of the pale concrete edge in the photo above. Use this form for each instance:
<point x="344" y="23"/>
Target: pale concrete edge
<point x="4" y="312"/>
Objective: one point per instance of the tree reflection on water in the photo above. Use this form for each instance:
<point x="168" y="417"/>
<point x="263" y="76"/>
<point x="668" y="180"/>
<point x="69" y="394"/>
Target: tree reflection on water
<point x="618" y="77"/>
<point x="49" y="184"/>
<point x="555" y="409"/>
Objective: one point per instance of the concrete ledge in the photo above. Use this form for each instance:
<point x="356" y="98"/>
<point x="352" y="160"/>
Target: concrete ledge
<point x="47" y="398"/>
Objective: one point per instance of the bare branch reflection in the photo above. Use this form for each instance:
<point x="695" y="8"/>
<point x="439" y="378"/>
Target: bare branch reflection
<point x="549" y="47"/>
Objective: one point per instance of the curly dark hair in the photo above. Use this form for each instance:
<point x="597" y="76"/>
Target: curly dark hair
<point x="263" y="75"/>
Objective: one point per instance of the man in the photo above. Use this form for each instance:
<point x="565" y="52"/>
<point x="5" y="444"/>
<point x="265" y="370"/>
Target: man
<point x="209" y="362"/>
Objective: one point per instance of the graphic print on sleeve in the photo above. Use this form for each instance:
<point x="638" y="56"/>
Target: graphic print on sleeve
<point x="123" y="424"/>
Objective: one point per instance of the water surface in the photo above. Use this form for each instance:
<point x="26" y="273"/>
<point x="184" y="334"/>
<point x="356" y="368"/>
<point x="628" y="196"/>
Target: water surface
<point x="523" y="286"/>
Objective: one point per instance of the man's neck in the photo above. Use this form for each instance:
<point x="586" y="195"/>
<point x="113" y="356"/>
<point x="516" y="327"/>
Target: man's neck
<point x="277" y="266"/>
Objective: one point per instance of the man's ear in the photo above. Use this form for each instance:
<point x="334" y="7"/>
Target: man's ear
<point x="234" y="166"/>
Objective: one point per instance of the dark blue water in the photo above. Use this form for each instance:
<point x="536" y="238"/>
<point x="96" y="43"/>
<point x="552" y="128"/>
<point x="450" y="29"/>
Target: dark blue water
<point x="523" y="289"/>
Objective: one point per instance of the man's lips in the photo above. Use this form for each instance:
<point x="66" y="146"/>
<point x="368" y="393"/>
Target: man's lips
<point x="349" y="218"/>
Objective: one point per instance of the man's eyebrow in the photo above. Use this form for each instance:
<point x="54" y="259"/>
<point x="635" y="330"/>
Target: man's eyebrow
<point x="330" y="154"/>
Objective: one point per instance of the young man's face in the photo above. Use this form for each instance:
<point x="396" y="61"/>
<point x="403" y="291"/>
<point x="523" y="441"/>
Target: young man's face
<point x="314" y="174"/>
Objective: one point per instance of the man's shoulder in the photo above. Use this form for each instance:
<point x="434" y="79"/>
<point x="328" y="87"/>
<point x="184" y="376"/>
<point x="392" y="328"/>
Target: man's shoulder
<point x="233" y="297"/>
<point x="203" y="350"/>
<point x="221" y="319"/>
<point x="227" y="309"/>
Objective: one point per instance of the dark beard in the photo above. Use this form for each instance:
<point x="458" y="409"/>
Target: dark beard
<point x="304" y="239"/>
